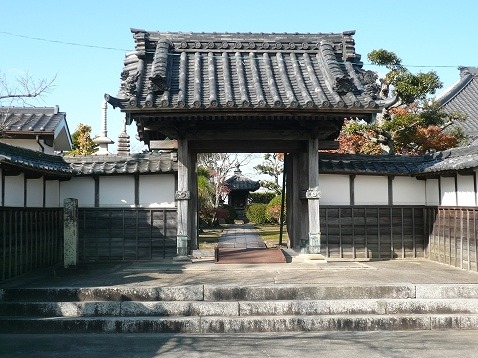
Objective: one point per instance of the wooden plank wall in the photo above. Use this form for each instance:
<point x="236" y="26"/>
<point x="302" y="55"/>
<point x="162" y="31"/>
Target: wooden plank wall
<point x="453" y="236"/>
<point x="30" y="238"/>
<point x="373" y="232"/>
<point x="107" y="234"/>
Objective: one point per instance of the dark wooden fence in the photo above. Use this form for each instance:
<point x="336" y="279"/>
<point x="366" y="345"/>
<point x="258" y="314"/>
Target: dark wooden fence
<point x="453" y="236"/>
<point x="107" y="234"/>
<point x="373" y="232"/>
<point x="30" y="238"/>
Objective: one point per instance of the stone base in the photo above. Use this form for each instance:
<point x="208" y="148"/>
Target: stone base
<point x="180" y="259"/>
<point x="310" y="258"/>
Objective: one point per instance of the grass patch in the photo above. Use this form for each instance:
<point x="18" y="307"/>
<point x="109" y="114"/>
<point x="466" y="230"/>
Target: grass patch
<point x="208" y="237"/>
<point x="270" y="234"/>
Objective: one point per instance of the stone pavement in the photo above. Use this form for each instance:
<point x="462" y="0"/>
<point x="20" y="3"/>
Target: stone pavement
<point x="243" y="236"/>
<point x="422" y="344"/>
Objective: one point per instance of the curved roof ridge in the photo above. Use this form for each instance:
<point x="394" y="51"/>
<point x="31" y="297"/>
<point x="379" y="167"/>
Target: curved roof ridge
<point x="465" y="78"/>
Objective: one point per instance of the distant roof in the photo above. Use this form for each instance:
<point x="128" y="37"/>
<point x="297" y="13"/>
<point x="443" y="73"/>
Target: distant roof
<point x="463" y="97"/>
<point x="114" y="164"/>
<point x="451" y="160"/>
<point x="176" y="71"/>
<point x="33" y="161"/>
<point x="30" y="122"/>
<point x="240" y="182"/>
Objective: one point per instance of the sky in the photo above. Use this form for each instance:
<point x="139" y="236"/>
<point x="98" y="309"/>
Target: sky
<point x="81" y="44"/>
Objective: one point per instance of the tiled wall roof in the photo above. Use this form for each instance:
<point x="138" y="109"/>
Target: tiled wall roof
<point x="112" y="164"/>
<point x="31" y="160"/>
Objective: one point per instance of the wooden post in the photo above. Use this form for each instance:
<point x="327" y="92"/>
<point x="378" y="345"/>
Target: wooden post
<point x="311" y="245"/>
<point x="183" y="195"/>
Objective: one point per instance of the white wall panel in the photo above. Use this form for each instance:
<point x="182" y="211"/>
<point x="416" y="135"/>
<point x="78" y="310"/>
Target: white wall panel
<point x="157" y="190"/>
<point x="14" y="190"/>
<point x="52" y="194"/>
<point x="432" y="192"/>
<point x="117" y="191"/>
<point x="82" y="189"/>
<point x="448" y="194"/>
<point x="334" y="189"/>
<point x="466" y="190"/>
<point x="408" y="191"/>
<point x="35" y="192"/>
<point x="371" y="190"/>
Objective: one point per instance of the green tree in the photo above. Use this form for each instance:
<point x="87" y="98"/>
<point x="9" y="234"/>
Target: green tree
<point x="205" y="197"/>
<point x="410" y="123"/>
<point x="273" y="165"/>
<point x="82" y="142"/>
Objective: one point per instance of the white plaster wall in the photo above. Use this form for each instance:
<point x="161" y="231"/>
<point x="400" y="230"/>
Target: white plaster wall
<point x="82" y="189"/>
<point x="370" y="190"/>
<point x="432" y="192"/>
<point x="35" y="192"/>
<point x="117" y="191"/>
<point x="408" y="191"/>
<point x="334" y="189"/>
<point x="29" y="144"/>
<point x="52" y="194"/>
<point x="448" y="194"/>
<point x="157" y="190"/>
<point x="14" y="190"/>
<point x="466" y="190"/>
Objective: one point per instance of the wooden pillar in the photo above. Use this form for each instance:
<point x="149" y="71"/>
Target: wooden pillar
<point x="193" y="203"/>
<point x="183" y="195"/>
<point x="297" y="222"/>
<point x="311" y="244"/>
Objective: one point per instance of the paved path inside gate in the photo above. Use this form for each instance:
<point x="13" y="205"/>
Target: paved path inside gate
<point x="240" y="236"/>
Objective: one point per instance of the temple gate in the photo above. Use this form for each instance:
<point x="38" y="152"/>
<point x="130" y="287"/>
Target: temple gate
<point x="221" y="92"/>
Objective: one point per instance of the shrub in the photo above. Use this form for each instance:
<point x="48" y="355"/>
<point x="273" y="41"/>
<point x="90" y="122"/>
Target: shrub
<point x="256" y="213"/>
<point x="273" y="210"/>
<point x="226" y="212"/>
<point x="261" y="197"/>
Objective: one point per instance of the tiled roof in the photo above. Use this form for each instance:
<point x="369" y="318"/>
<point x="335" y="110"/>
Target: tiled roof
<point x="113" y="164"/>
<point x="463" y="97"/>
<point x="177" y="71"/>
<point x="240" y="182"/>
<point x="31" y="160"/>
<point x="369" y="164"/>
<point x="451" y="160"/>
<point x="45" y="122"/>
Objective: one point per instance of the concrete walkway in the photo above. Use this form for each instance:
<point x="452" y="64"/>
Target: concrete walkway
<point x="243" y="236"/>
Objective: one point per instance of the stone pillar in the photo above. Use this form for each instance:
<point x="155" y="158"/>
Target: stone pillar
<point x="312" y="244"/>
<point x="183" y="195"/>
<point x="70" y="233"/>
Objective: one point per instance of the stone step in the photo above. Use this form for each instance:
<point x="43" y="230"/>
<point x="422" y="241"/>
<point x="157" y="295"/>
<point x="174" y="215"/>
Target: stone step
<point x="249" y="324"/>
<point x="66" y="294"/>
<point x="240" y="293"/>
<point x="240" y="308"/>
